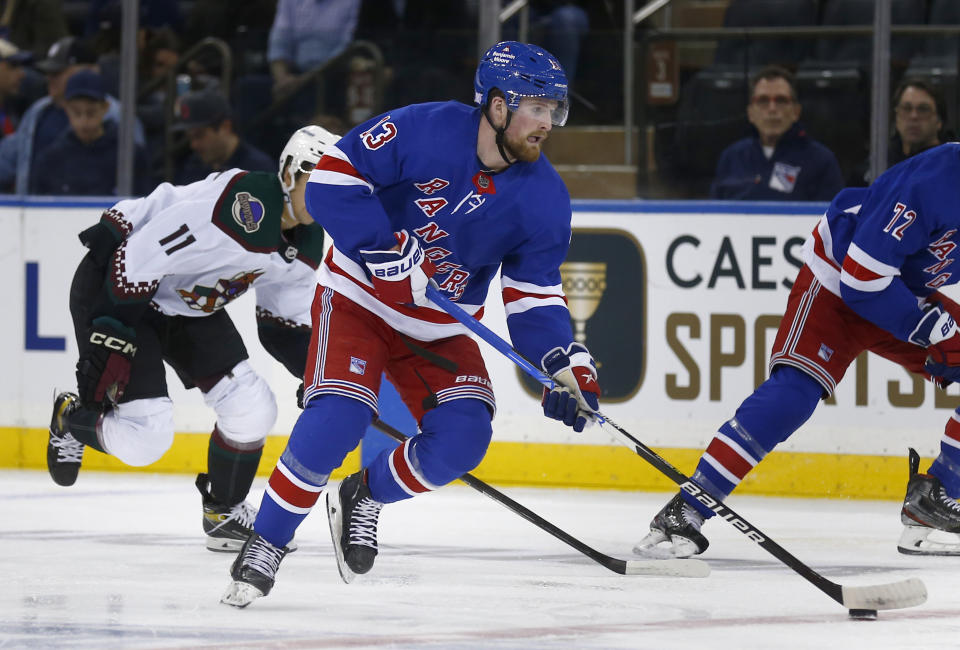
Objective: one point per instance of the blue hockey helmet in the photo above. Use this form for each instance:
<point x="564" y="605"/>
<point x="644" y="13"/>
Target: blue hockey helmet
<point x="522" y="70"/>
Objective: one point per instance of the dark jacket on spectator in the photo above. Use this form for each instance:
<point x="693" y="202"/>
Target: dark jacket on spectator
<point x="800" y="169"/>
<point x="246" y="156"/>
<point x="70" y="167"/>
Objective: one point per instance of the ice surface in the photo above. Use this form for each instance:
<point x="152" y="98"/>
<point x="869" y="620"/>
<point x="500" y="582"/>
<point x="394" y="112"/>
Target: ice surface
<point x="118" y="561"/>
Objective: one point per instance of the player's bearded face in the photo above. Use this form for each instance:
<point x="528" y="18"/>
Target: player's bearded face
<point x="529" y="128"/>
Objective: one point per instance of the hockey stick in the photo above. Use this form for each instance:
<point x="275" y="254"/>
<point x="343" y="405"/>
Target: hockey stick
<point x="894" y="595"/>
<point x="678" y="568"/>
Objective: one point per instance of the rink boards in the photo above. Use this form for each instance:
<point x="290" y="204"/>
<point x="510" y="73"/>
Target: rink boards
<point x="678" y="301"/>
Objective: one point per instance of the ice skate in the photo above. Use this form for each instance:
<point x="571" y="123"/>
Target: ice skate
<point x="930" y="517"/>
<point x="64" y="452"/>
<point x="253" y="572"/>
<point x="679" y="524"/>
<point x="353" y="517"/>
<point x="227" y="527"/>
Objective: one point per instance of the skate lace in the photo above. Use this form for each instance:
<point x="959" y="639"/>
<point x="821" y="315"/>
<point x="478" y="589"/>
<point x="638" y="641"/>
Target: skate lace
<point x="948" y="501"/>
<point x="243" y="513"/>
<point x="264" y="557"/>
<point x="69" y="449"/>
<point x="363" y="523"/>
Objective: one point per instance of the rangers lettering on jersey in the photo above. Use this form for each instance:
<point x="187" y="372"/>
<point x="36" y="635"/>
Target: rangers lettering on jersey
<point x="361" y="192"/>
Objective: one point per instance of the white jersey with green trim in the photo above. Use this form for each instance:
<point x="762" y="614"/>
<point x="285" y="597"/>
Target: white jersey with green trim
<point x="192" y="249"/>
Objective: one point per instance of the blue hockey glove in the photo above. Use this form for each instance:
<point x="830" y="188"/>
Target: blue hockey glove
<point x="575" y="397"/>
<point x="401" y="275"/>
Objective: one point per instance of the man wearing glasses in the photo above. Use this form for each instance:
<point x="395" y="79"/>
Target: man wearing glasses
<point x="778" y="161"/>
<point x="920" y="114"/>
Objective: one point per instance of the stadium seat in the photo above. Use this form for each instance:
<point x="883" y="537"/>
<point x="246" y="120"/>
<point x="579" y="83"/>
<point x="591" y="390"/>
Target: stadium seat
<point x="711" y="114"/>
<point x="836" y="111"/>
<point x="941" y="50"/>
<point x="857" y="50"/>
<point x="765" y="51"/>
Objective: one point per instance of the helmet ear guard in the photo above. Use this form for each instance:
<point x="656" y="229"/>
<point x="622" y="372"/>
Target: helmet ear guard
<point x="521" y="70"/>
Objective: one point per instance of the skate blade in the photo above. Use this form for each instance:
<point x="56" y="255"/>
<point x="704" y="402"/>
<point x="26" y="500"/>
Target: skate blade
<point x="657" y="546"/>
<point x="240" y="594"/>
<point x="915" y="540"/>
<point x="336" y="528"/>
<point x="224" y="544"/>
<point x="230" y="545"/>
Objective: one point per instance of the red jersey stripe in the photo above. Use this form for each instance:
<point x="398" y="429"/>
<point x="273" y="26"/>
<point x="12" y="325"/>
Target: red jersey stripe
<point x="861" y="273"/>
<point x="331" y="164"/>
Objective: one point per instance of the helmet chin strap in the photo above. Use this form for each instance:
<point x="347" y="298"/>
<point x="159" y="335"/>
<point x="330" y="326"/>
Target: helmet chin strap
<point x="500" y="131"/>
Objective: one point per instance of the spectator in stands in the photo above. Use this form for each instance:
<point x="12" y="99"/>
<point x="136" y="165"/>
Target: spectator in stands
<point x="83" y="159"/>
<point x="305" y="34"/>
<point x="205" y="117"/>
<point x="779" y="161"/>
<point x="921" y="114"/>
<point x="34" y="25"/>
<point x="12" y="60"/>
<point x="46" y="119"/>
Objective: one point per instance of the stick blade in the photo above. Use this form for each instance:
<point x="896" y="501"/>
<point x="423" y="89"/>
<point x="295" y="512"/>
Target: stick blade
<point x="894" y="595"/>
<point x="674" y="568"/>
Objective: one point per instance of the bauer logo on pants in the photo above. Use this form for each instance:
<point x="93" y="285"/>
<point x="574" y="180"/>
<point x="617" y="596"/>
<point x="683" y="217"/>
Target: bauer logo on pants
<point x="605" y="282"/>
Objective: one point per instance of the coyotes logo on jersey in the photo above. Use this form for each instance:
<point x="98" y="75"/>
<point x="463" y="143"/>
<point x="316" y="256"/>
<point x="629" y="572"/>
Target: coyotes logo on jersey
<point x="210" y="299"/>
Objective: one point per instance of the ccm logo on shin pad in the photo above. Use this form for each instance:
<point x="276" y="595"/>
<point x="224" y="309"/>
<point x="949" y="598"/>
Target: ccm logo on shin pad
<point x="113" y="343"/>
<point x="722" y="511"/>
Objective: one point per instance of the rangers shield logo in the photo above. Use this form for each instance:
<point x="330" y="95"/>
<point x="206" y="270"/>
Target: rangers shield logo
<point x="784" y="177"/>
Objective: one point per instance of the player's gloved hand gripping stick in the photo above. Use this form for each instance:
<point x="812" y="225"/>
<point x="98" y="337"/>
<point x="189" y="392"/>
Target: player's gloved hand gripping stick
<point x="400" y="275"/>
<point x="574" y="397"/>
<point x="894" y="595"/>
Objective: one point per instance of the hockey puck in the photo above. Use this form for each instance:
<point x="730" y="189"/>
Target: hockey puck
<point x="863" y="614"/>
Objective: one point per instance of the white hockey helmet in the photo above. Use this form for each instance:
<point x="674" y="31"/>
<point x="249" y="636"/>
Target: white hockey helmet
<point x="301" y="154"/>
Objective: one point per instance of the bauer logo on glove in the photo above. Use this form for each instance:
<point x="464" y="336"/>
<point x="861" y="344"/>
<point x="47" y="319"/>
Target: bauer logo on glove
<point x="575" y="396"/>
<point x="400" y="275"/>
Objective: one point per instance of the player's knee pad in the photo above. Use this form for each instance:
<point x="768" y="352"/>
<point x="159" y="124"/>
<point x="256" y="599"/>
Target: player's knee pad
<point x="138" y="432"/>
<point x="779" y="406"/>
<point x="454" y="440"/>
<point x="329" y="428"/>
<point x="246" y="407"/>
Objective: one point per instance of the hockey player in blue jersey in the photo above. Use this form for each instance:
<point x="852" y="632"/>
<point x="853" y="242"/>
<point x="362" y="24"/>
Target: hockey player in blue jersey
<point x="873" y="267"/>
<point x="443" y="193"/>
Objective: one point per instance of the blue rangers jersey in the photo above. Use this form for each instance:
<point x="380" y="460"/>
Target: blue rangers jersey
<point x="885" y="248"/>
<point x="416" y="169"/>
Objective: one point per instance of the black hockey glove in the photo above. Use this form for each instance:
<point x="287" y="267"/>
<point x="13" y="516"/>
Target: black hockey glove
<point x="103" y="371"/>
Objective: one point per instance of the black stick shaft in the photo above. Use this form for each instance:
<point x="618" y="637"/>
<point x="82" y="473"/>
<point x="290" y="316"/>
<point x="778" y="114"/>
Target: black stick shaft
<point x="686" y="484"/>
<point x="612" y="563"/>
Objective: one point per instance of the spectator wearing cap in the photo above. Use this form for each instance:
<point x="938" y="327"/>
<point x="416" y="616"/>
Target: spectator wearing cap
<point x="83" y="159"/>
<point x="204" y="116"/>
<point x="46" y="118"/>
<point x="12" y="60"/>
